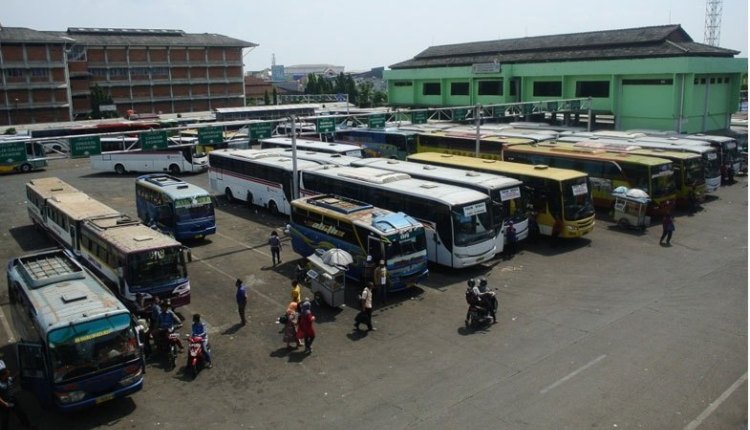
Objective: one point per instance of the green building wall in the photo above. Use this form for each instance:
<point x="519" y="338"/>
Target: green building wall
<point x="685" y="94"/>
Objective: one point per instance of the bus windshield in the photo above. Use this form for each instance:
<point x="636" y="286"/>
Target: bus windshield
<point x="193" y="208"/>
<point x="401" y="246"/>
<point x="577" y="199"/>
<point x="662" y="181"/>
<point x="472" y="223"/>
<point x="509" y="203"/>
<point x="155" y="266"/>
<point x="694" y="171"/>
<point x="711" y="165"/>
<point x="88" y="347"/>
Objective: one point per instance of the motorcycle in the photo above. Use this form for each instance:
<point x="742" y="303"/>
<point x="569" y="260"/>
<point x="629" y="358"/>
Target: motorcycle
<point x="482" y="307"/>
<point x="167" y="343"/>
<point x="196" y="359"/>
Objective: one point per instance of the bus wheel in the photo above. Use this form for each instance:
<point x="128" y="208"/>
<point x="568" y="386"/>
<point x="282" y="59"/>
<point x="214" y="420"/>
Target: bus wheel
<point x="119" y="169"/>
<point x="174" y="169"/>
<point x="273" y="208"/>
<point x="229" y="196"/>
<point x="25" y="168"/>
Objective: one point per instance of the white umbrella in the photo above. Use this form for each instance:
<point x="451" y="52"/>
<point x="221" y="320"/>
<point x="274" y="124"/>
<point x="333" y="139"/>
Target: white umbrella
<point x="337" y="257"/>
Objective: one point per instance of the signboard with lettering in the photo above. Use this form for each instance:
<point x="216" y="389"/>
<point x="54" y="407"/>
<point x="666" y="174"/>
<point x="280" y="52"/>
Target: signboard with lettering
<point x="325" y="125"/>
<point x="260" y="130"/>
<point x="376" y="121"/>
<point x="210" y="135"/>
<point x="85" y="146"/>
<point x="12" y="152"/>
<point x="419" y="117"/>
<point x="153" y="141"/>
<point x="485" y="68"/>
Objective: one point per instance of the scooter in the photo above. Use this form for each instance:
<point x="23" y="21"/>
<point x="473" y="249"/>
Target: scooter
<point x="196" y="359"/>
<point x="167" y="343"/>
<point x="479" y="315"/>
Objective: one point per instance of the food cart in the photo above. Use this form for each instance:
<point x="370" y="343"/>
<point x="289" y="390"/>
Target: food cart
<point x="630" y="208"/>
<point x="327" y="282"/>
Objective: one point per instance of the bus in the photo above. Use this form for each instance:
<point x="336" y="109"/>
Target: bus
<point x="254" y="176"/>
<point x="121" y="143"/>
<point x="175" y="159"/>
<point x="559" y="199"/>
<point x="457" y="220"/>
<point x="77" y="344"/>
<point x="130" y="257"/>
<point x="175" y="207"/>
<point x="386" y="143"/>
<point x="727" y="148"/>
<point x="328" y="221"/>
<point x="38" y="191"/>
<point x="318" y="157"/>
<point x="464" y="143"/>
<point x="504" y="130"/>
<point x="508" y="202"/>
<point x="312" y="145"/>
<point x="20" y="154"/>
<point x="690" y="183"/>
<point x="606" y="171"/>
<point x="711" y="168"/>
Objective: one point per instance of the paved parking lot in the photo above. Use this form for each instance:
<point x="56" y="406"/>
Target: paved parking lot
<point x="611" y="331"/>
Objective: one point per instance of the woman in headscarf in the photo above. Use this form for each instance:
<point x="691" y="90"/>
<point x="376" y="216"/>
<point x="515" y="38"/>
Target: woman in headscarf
<point x="306" y="329"/>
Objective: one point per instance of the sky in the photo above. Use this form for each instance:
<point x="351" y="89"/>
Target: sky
<point x="360" y="35"/>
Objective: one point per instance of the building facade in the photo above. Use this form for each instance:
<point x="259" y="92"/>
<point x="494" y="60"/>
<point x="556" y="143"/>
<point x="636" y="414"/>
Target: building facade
<point x="650" y="77"/>
<point x="49" y="76"/>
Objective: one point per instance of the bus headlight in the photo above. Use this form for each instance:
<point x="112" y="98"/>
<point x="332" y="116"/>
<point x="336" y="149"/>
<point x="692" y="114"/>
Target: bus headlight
<point x="70" y="396"/>
<point x="571" y="228"/>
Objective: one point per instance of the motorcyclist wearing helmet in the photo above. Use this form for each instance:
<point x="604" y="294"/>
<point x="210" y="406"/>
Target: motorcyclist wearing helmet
<point x="478" y="295"/>
<point x="168" y="321"/>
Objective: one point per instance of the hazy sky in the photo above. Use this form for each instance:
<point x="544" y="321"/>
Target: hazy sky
<point x="360" y="35"/>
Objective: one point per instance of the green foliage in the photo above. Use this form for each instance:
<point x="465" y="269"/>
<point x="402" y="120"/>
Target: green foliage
<point x="98" y="98"/>
<point x="10" y="130"/>
<point x="266" y="98"/>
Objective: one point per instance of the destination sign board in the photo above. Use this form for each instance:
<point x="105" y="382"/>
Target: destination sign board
<point x="210" y="135"/>
<point x="419" y="117"/>
<point x="153" y="141"/>
<point x="85" y="146"/>
<point x="376" y="121"/>
<point x="260" y="130"/>
<point x="12" y="152"/>
<point x="325" y="125"/>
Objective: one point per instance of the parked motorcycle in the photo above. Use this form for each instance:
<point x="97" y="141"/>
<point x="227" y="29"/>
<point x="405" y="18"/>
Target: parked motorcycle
<point x="196" y="359"/>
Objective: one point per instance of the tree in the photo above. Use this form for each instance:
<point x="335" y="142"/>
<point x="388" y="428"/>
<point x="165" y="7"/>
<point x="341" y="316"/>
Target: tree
<point x="275" y="96"/>
<point x="266" y="98"/>
<point x="313" y="84"/>
<point x="364" y="96"/>
<point x="98" y="98"/>
<point x="379" y="98"/>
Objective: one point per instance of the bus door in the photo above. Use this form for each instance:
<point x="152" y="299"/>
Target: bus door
<point x="375" y="249"/>
<point x="31" y="365"/>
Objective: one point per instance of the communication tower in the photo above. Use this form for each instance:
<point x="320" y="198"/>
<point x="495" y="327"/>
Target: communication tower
<point x="712" y="31"/>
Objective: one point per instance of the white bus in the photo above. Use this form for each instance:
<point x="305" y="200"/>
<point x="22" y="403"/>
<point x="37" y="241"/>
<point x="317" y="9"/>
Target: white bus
<point x="38" y="191"/>
<point x="175" y="159"/>
<point x="318" y="157"/>
<point x="312" y="145"/>
<point x="457" y="220"/>
<point x="508" y="204"/>
<point x="258" y="177"/>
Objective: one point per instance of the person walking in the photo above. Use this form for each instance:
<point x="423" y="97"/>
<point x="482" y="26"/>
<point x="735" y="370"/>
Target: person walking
<point x="381" y="282"/>
<point x="8" y="403"/>
<point x="241" y="297"/>
<point x="275" y="243"/>
<point x="667" y="227"/>
<point x="290" y="326"/>
<point x="306" y="328"/>
<point x="296" y="293"/>
<point x="366" y="305"/>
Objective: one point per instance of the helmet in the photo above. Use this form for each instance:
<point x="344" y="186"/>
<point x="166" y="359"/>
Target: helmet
<point x="471" y="282"/>
<point x="483" y="282"/>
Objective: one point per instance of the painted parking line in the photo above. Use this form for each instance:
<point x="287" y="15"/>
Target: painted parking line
<point x="6" y="326"/>
<point x="573" y="373"/>
<point x="715" y="404"/>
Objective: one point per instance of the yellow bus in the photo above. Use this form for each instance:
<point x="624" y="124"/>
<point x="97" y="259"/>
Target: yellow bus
<point x="464" y="143"/>
<point x="560" y="199"/>
<point x="606" y="170"/>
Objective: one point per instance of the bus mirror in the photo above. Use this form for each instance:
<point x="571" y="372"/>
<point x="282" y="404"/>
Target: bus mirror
<point x="187" y="254"/>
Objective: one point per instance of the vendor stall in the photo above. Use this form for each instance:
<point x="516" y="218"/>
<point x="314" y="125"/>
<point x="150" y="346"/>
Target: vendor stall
<point x="327" y="282"/>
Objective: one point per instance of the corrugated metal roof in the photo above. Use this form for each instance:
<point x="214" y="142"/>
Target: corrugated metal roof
<point x="149" y="37"/>
<point x="658" y="41"/>
<point x="27" y="35"/>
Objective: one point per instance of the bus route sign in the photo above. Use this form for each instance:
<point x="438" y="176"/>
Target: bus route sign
<point x="419" y="117"/>
<point x="376" y="121"/>
<point x="85" y="146"/>
<point x="153" y="141"/>
<point x="210" y="135"/>
<point x="260" y="130"/>
<point x="325" y="125"/>
<point x="12" y="152"/>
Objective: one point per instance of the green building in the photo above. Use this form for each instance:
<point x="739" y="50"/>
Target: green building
<point x="650" y="77"/>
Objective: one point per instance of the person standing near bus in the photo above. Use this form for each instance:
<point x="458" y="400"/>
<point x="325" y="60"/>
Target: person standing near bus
<point x="241" y="298"/>
<point x="667" y="227"/>
<point x="510" y="239"/>
<point x="8" y="403"/>
<point x="381" y="282"/>
<point x="367" y="270"/>
<point x="275" y="243"/>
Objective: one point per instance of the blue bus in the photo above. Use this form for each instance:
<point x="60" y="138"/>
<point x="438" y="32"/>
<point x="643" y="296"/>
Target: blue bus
<point x="327" y="221"/>
<point x="78" y="344"/>
<point x="174" y="206"/>
<point x="385" y="143"/>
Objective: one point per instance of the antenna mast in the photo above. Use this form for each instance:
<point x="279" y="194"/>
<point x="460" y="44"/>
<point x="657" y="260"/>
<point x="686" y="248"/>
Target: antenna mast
<point x="712" y="30"/>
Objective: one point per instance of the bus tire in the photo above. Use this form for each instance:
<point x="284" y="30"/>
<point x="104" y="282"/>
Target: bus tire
<point x="228" y="194"/>
<point x="273" y="208"/>
<point x="174" y="169"/>
<point x="25" y="168"/>
<point x="119" y="169"/>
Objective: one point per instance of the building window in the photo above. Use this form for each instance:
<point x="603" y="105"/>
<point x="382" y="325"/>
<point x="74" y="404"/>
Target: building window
<point x="118" y="71"/>
<point x="139" y="71"/>
<point x="592" y="89"/>
<point x="431" y="89"/>
<point x="651" y="81"/>
<point x="159" y="71"/>
<point x="14" y="73"/>
<point x="459" y="88"/>
<point x="39" y="72"/>
<point x="490" y="88"/>
<point x="402" y="84"/>
<point x="98" y="72"/>
<point x="547" y="89"/>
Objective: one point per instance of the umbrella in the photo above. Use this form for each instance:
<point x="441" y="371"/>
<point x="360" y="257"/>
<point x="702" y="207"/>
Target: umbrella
<point x="337" y="257"/>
